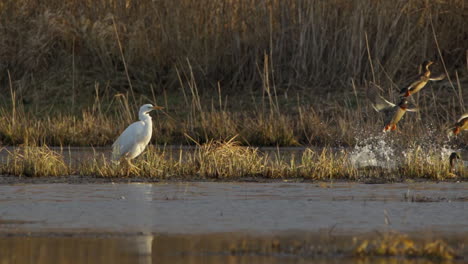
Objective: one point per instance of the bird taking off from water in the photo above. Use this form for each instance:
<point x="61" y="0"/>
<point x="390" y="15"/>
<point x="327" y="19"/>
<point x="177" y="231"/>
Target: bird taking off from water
<point x="421" y="81"/>
<point x="393" y="113"/>
<point x="133" y="141"/>
<point x="460" y="125"/>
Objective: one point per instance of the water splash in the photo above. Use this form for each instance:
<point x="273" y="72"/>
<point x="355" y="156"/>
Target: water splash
<point x="375" y="151"/>
<point x="383" y="151"/>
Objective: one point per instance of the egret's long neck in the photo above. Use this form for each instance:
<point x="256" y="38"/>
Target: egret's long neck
<point x="145" y="117"/>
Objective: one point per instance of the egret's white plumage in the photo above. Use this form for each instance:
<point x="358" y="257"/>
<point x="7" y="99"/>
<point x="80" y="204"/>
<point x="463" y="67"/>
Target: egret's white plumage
<point x="135" y="137"/>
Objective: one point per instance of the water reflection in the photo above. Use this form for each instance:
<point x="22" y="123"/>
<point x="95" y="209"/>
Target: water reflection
<point x="149" y="249"/>
<point x="75" y="250"/>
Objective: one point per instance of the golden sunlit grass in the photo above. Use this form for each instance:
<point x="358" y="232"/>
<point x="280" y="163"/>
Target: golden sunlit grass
<point x="227" y="161"/>
<point x="214" y="160"/>
<point x="420" y="163"/>
<point x="35" y="162"/>
<point x="327" y="165"/>
<point x="154" y="163"/>
<point x="401" y="245"/>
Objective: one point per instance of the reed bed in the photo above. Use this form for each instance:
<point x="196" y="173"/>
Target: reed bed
<point x="273" y="72"/>
<point x="228" y="161"/>
<point x="62" y="48"/>
<point x="298" y="124"/>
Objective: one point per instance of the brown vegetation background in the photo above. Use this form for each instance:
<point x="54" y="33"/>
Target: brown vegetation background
<point x="274" y="72"/>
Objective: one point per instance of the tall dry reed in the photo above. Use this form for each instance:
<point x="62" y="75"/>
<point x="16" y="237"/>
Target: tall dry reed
<point x="61" y="48"/>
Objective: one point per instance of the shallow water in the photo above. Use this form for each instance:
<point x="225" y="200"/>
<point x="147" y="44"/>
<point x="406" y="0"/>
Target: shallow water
<point x="220" y="207"/>
<point x="202" y="222"/>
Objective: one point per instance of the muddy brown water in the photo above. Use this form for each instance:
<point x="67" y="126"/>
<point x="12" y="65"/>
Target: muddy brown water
<point x="206" y="222"/>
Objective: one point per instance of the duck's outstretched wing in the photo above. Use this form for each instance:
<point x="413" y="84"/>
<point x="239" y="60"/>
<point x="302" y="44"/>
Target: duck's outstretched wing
<point x="462" y="117"/>
<point x="381" y="104"/>
<point x="377" y="101"/>
<point x="439" y="77"/>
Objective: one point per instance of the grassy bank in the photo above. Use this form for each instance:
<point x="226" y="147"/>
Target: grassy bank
<point x="272" y="72"/>
<point x="229" y="161"/>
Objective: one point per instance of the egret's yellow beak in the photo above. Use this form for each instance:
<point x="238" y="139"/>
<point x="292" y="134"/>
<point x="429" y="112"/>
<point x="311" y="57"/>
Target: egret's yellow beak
<point x="158" y="107"/>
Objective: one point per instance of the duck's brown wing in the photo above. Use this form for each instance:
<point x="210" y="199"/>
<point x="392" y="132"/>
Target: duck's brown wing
<point x="438" y="77"/>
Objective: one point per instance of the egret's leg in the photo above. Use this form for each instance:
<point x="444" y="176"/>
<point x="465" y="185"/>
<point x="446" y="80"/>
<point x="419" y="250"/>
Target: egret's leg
<point x="131" y="168"/>
<point x="125" y="165"/>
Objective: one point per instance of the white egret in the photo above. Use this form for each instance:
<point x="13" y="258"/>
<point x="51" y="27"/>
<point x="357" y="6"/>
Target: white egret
<point x="135" y="137"/>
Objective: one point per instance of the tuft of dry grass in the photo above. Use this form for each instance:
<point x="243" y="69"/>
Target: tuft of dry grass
<point x="326" y="165"/>
<point x="35" y="162"/>
<point x="217" y="159"/>
<point x="154" y="163"/>
<point x="423" y="163"/>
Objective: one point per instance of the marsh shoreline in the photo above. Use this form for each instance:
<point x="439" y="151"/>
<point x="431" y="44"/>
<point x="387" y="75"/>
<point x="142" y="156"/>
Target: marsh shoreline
<point x="79" y="179"/>
<point x="228" y="162"/>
